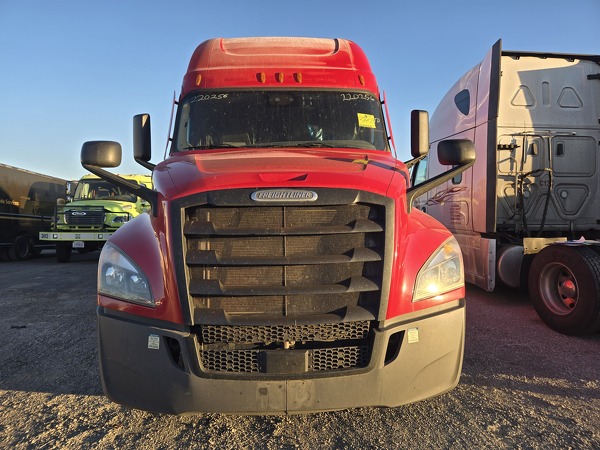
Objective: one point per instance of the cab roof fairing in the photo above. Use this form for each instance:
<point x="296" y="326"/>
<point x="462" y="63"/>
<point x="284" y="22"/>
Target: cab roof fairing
<point x="284" y="61"/>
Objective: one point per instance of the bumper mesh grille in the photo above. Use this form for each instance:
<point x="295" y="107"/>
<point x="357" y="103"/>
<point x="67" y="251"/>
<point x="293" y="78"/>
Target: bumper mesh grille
<point x="252" y="361"/>
<point x="285" y="333"/>
<point x="234" y="361"/>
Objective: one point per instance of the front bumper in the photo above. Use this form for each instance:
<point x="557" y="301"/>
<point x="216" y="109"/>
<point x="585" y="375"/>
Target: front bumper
<point x="56" y="236"/>
<point x="138" y="369"/>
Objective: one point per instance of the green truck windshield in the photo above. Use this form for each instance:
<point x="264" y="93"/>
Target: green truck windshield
<point x="221" y="119"/>
<point x="101" y="190"/>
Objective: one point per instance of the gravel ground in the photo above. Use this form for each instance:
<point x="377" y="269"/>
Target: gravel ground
<point x="523" y="385"/>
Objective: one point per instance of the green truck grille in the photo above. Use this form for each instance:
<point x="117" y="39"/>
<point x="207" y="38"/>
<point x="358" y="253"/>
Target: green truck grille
<point x="84" y="217"/>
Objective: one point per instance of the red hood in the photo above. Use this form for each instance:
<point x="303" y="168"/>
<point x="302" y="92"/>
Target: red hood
<point x="187" y="173"/>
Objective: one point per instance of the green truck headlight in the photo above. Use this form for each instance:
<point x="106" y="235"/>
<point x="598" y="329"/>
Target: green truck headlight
<point x="121" y="219"/>
<point x="60" y="216"/>
<point x="442" y="272"/>
<point x="119" y="277"/>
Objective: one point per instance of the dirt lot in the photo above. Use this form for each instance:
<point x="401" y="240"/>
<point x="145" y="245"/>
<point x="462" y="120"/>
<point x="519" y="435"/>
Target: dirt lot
<point x="523" y="386"/>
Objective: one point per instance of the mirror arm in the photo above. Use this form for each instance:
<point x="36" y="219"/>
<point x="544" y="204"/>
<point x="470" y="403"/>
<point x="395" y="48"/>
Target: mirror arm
<point x="421" y="188"/>
<point x="413" y="161"/>
<point x="149" y="195"/>
<point x="146" y="164"/>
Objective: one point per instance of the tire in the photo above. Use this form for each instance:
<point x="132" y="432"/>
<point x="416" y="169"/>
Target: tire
<point x="4" y="254"/>
<point x="21" y="249"/>
<point x="63" y="251"/>
<point x="564" y="287"/>
<point x="596" y="248"/>
<point x="525" y="269"/>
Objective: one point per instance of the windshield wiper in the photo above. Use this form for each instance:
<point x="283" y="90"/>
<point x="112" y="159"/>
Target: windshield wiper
<point x="266" y="146"/>
<point x="208" y="147"/>
<point x="306" y="144"/>
<point x="311" y="144"/>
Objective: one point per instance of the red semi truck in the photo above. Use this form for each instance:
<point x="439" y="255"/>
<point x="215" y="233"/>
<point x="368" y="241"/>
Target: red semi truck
<point x="281" y="268"/>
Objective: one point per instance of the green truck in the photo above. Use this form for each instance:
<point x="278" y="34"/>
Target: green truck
<point x="96" y="210"/>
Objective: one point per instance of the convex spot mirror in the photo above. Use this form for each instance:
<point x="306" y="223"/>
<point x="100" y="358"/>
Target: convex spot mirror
<point x="454" y="152"/>
<point x="101" y="153"/>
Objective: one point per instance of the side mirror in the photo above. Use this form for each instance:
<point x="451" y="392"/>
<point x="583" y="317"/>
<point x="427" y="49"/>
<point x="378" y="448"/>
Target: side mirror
<point x="101" y="153"/>
<point x="98" y="154"/>
<point x="454" y="152"/>
<point x="419" y="133"/>
<point x="419" y="136"/>
<point x="459" y="153"/>
<point x="142" y="146"/>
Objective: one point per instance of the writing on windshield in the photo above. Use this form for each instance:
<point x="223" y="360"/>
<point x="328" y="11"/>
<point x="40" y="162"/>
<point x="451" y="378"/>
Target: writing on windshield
<point x="244" y="118"/>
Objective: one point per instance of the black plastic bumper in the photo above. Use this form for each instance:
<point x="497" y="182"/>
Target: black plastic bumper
<point x="139" y="371"/>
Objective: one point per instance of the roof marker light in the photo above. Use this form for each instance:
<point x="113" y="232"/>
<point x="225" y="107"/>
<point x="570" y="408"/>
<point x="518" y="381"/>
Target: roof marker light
<point x="361" y="79"/>
<point x="279" y="77"/>
<point x="298" y="77"/>
<point x="261" y="77"/>
<point x="198" y="79"/>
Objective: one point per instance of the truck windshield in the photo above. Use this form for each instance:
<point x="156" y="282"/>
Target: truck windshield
<point x="222" y="119"/>
<point x="101" y="190"/>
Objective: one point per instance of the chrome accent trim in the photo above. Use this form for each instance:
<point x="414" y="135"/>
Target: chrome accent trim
<point x="284" y="195"/>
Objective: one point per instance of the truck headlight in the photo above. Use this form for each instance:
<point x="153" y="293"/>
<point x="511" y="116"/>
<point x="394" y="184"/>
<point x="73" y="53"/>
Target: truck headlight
<point x="442" y="272"/>
<point x="121" y="219"/>
<point x="118" y="277"/>
<point x="61" y="217"/>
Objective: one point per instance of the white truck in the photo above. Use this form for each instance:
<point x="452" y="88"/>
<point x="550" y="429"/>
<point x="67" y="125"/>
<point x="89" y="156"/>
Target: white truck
<point x="527" y="213"/>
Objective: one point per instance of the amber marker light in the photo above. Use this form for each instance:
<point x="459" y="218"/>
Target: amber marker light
<point x="198" y="79"/>
<point x="298" y="77"/>
<point x="361" y="79"/>
<point x="279" y="77"/>
<point x="261" y="77"/>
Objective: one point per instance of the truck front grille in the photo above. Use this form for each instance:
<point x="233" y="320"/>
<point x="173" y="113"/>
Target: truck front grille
<point x="302" y="277"/>
<point x="87" y="217"/>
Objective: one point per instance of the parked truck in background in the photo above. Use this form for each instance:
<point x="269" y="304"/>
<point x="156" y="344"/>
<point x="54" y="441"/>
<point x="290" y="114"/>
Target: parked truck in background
<point x="282" y="268"/>
<point x="95" y="211"/>
<point x="27" y="201"/>
<point x="527" y="213"/>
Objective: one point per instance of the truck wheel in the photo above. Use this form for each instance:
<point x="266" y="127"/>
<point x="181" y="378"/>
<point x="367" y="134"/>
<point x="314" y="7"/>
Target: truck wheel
<point x="564" y="287"/>
<point x="21" y="249"/>
<point x="63" y="251"/>
<point x="596" y="248"/>
<point x="4" y="254"/>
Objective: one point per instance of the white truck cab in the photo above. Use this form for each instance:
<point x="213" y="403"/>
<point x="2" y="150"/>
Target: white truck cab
<point x="528" y="212"/>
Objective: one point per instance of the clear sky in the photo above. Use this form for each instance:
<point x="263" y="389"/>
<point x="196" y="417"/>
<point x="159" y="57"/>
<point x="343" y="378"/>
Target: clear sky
<point x="77" y="70"/>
